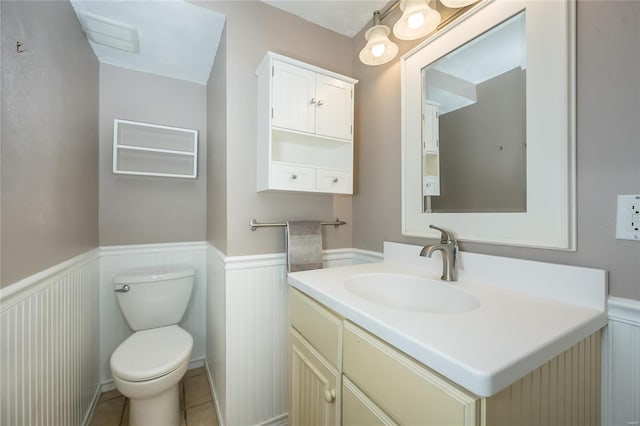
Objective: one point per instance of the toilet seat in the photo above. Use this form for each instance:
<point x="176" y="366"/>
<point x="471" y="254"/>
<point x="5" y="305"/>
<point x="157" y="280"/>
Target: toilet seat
<point x="149" y="354"/>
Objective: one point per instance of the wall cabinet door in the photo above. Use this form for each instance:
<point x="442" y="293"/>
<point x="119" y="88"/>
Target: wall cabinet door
<point x="314" y="386"/>
<point x="430" y="128"/>
<point x="294" y="102"/>
<point x="334" y="107"/>
<point x="310" y="102"/>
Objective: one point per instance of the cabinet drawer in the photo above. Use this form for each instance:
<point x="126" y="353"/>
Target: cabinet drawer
<point x="319" y="326"/>
<point x="293" y="177"/>
<point x="359" y="410"/>
<point x="406" y="390"/>
<point x="430" y="185"/>
<point x="335" y="181"/>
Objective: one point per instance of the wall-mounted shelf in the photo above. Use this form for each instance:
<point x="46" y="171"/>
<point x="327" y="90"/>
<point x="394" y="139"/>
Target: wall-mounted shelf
<point x="153" y="150"/>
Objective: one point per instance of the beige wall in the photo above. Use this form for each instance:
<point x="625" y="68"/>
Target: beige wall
<point x="217" y="150"/>
<point x="146" y="209"/>
<point x="49" y="153"/>
<point x="252" y="28"/>
<point x="608" y="152"/>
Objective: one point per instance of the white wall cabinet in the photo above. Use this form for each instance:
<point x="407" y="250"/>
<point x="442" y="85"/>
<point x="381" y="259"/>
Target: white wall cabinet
<point x="430" y="150"/>
<point x="305" y="127"/>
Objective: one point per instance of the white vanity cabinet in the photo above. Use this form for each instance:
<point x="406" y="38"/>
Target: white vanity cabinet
<point x="341" y="374"/>
<point x="315" y="358"/>
<point x="305" y="127"/>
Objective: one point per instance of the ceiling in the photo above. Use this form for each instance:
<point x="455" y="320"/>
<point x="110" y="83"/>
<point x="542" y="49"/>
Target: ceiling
<point x="179" y="39"/>
<point x="343" y="17"/>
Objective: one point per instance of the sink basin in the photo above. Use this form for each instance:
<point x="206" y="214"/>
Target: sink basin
<point x="411" y="292"/>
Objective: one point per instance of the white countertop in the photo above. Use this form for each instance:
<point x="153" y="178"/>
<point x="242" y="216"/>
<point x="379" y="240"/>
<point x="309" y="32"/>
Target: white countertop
<point x="516" y="328"/>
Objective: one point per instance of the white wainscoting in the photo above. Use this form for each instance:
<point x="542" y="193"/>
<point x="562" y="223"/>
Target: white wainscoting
<point x="117" y="259"/>
<point x="621" y="364"/>
<point x="216" y="330"/>
<point x="49" y="345"/>
<point x="248" y="333"/>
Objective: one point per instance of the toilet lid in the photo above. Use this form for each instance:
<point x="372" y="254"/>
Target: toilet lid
<point x="153" y="353"/>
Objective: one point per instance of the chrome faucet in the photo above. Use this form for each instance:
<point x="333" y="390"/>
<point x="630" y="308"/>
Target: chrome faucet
<point x="449" y="247"/>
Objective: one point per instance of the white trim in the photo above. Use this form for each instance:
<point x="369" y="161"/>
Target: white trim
<point x="15" y="293"/>
<point x="366" y="256"/>
<point x="216" y="401"/>
<point x="94" y="403"/>
<point x="337" y="254"/>
<point x="624" y="310"/>
<point x="152" y="248"/>
<point x="281" y="420"/>
<point x="254" y="261"/>
<point x="276" y="259"/>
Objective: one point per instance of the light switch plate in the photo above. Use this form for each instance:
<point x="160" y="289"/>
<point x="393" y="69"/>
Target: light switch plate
<point x="628" y="217"/>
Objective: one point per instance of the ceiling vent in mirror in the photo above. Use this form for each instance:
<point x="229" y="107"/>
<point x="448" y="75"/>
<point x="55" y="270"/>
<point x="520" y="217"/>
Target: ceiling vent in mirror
<point x="110" y="33"/>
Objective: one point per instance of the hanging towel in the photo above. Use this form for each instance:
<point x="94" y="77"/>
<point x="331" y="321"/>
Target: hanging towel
<point x="304" y="245"/>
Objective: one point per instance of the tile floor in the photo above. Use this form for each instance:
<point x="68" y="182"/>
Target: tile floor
<point x="195" y="400"/>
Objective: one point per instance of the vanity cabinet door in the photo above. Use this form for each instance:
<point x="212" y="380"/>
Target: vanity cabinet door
<point x="314" y="386"/>
<point x="294" y="101"/>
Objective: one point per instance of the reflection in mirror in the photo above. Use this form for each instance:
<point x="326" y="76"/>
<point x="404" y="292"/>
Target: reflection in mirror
<point x="474" y="124"/>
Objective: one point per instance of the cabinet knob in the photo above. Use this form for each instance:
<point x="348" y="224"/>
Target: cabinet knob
<point x="320" y="102"/>
<point x="329" y="395"/>
<point x="294" y="177"/>
<point x="335" y="180"/>
<point x="313" y="100"/>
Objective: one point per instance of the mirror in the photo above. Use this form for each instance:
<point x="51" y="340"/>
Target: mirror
<point x="488" y="127"/>
<point x="474" y="124"/>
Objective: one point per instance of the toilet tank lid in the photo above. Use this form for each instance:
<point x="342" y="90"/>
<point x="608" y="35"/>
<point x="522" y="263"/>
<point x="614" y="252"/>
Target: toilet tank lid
<point x="154" y="273"/>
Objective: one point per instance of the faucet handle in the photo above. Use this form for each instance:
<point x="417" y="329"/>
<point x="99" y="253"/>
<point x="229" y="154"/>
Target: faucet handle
<point x="446" y="235"/>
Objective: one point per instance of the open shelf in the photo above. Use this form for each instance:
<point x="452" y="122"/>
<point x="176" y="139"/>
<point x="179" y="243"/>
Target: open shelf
<point x="153" y="150"/>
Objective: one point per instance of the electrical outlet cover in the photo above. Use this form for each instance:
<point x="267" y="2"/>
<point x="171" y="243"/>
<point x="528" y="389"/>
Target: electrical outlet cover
<point x="628" y="217"/>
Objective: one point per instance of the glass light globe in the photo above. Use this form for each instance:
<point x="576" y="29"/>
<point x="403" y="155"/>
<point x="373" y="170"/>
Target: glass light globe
<point x="377" y="50"/>
<point x="416" y="20"/>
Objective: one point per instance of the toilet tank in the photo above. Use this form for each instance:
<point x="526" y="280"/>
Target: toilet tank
<point x="154" y="297"/>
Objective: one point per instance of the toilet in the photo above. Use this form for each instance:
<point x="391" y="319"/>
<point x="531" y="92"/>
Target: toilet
<point x="150" y="363"/>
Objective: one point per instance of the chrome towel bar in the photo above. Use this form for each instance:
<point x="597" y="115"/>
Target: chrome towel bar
<point x="253" y="225"/>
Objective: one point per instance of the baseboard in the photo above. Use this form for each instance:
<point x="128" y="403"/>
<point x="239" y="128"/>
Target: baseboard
<point x="281" y="420"/>
<point x="92" y="408"/>
<point x="216" y="401"/>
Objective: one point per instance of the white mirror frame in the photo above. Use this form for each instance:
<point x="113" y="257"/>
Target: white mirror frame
<point x="549" y="221"/>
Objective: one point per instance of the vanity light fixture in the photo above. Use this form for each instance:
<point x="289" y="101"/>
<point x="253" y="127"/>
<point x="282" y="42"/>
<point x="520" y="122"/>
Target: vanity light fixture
<point x="379" y="49"/>
<point x="417" y="20"/>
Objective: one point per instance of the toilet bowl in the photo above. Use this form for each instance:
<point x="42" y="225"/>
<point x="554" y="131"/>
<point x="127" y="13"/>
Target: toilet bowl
<point x="150" y="363"/>
<point x="147" y="368"/>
